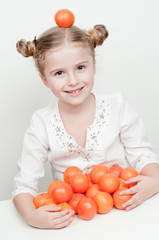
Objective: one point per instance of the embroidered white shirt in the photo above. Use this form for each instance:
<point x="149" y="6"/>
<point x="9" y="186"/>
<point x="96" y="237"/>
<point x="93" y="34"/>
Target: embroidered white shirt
<point x="116" y="137"/>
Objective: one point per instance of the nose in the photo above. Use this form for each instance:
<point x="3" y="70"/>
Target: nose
<point x="72" y="79"/>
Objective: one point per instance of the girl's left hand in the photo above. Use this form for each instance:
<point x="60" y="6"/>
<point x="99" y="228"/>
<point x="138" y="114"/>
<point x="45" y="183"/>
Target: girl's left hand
<point x="146" y="187"/>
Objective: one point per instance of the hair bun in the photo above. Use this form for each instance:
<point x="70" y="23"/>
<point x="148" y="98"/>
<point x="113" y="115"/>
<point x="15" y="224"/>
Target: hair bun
<point x="98" y="34"/>
<point x="27" y="49"/>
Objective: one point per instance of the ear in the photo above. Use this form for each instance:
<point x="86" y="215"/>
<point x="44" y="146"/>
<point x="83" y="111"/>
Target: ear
<point x="44" y="80"/>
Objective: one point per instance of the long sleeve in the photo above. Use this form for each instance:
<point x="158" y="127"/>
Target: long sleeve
<point x="138" y="150"/>
<point x="34" y="155"/>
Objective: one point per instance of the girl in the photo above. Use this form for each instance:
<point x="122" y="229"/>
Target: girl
<point x="82" y="129"/>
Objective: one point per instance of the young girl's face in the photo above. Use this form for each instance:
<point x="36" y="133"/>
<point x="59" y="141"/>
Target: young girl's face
<point x="69" y="73"/>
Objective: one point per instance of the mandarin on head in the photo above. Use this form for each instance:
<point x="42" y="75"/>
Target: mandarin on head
<point x="64" y="18"/>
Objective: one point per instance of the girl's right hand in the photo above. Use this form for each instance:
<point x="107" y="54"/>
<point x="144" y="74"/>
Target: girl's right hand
<point x="50" y="217"/>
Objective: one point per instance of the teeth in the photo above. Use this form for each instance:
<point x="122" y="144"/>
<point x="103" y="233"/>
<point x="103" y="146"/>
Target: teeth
<point x="76" y="91"/>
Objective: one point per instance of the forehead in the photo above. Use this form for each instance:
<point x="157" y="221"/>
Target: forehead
<point x="67" y="53"/>
<point x="73" y="49"/>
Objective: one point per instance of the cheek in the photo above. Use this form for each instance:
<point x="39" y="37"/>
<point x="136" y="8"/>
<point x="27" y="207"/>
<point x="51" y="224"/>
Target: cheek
<point x="90" y="77"/>
<point x="56" y="86"/>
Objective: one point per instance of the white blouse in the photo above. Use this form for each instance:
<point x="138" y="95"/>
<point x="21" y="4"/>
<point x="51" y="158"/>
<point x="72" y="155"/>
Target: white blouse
<point x="116" y="137"/>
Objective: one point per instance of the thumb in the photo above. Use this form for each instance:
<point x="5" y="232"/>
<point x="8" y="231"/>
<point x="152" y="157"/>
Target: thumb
<point x="134" y="179"/>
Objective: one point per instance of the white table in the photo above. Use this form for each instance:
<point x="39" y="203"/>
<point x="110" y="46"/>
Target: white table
<point x="140" y="223"/>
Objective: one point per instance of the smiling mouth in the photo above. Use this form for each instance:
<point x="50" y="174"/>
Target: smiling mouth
<point x="75" y="91"/>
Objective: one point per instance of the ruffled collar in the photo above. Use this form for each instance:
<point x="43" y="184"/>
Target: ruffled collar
<point x="94" y="131"/>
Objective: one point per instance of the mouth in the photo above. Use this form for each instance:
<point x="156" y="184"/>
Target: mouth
<point x="76" y="91"/>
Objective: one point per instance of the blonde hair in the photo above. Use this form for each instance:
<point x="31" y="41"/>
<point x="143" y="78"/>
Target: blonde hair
<point x="57" y="36"/>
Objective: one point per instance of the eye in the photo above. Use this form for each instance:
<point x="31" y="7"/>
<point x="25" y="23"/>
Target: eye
<point x="81" y="67"/>
<point x="59" y="73"/>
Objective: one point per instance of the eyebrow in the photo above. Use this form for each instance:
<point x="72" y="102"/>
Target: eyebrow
<point x="60" y="69"/>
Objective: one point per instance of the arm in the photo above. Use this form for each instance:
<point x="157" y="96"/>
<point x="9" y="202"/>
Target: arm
<point x="140" y="155"/>
<point x="43" y="217"/>
<point x="151" y="169"/>
<point x="34" y="155"/>
<point x="138" y="149"/>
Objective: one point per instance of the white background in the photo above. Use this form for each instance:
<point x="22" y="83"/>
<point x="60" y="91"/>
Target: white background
<point x="128" y="62"/>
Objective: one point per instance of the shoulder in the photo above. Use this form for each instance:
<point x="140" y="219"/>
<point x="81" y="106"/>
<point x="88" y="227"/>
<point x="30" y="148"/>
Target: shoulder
<point x="41" y="115"/>
<point x="114" y="100"/>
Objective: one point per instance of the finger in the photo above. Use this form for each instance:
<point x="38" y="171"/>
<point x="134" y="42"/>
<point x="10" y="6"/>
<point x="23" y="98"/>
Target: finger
<point x="131" y="190"/>
<point x="134" y="179"/>
<point x="64" y="224"/>
<point x="131" y="207"/>
<point x="135" y="204"/>
<point x="63" y="219"/>
<point x="128" y="203"/>
<point x="59" y="215"/>
<point x="134" y="201"/>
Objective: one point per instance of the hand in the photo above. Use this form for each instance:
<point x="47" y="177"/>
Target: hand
<point x="146" y="187"/>
<point x="50" y="217"/>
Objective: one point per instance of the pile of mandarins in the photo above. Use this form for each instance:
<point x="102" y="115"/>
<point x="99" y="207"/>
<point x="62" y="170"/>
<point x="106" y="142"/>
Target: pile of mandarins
<point x="89" y="194"/>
